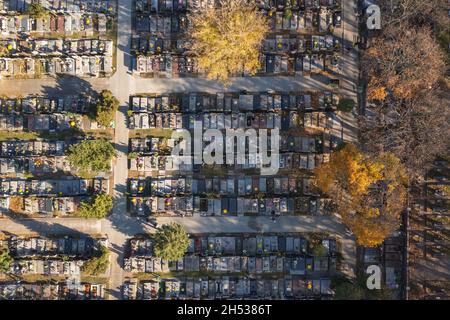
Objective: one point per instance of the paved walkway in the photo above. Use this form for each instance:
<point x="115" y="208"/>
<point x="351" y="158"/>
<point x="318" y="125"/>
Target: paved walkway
<point x="119" y="226"/>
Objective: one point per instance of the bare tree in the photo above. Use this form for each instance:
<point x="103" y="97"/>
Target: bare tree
<point x="403" y="62"/>
<point x="415" y="130"/>
<point x="417" y="12"/>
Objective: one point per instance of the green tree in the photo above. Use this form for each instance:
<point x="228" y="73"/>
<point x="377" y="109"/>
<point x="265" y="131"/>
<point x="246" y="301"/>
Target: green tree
<point x="98" y="264"/>
<point x="106" y="108"/>
<point x="6" y="260"/>
<point x="346" y="105"/>
<point x="35" y="10"/>
<point x="170" y="242"/>
<point x="92" y="156"/>
<point x="319" y="250"/>
<point x="98" y="207"/>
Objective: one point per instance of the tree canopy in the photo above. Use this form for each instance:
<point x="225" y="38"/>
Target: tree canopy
<point x="403" y="63"/>
<point x="106" y="108"/>
<point x="36" y="10"/>
<point x="92" y="156"/>
<point x="407" y="88"/>
<point x="98" y="264"/>
<point x="6" y="260"/>
<point x="346" y="105"/>
<point x="369" y="193"/>
<point x="170" y="242"/>
<point x="98" y="207"/>
<point x="226" y="38"/>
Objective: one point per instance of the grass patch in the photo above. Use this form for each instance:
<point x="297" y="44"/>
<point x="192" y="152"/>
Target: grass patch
<point x="11" y="135"/>
<point x="163" y="133"/>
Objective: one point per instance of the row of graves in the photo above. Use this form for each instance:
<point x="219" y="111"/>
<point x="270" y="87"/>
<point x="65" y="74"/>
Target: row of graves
<point x="300" y="41"/>
<point x="84" y="57"/>
<point x="47" y="113"/>
<point x="234" y="111"/>
<point x="293" y="120"/>
<point x="151" y="145"/>
<point x="289" y="254"/>
<point x="228" y="287"/>
<point x="429" y="227"/>
<point x="48" y="196"/>
<point x="179" y="165"/>
<point x="234" y="102"/>
<point x="154" y="155"/>
<point x="52" y="291"/>
<point x="36" y="47"/>
<point x="55" y="122"/>
<point x="274" y="60"/>
<point x="389" y="256"/>
<point x="64" y="24"/>
<point x="12" y="167"/>
<point x="74" y="65"/>
<point x="45" y="104"/>
<point x="38" y="157"/>
<point x="58" y="48"/>
<point x="230" y="195"/>
<point x="108" y="7"/>
<point x="58" y="257"/>
<point x="289" y="258"/>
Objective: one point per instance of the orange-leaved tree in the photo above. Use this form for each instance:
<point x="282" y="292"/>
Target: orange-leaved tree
<point x="369" y="193"/>
<point x="226" y="38"/>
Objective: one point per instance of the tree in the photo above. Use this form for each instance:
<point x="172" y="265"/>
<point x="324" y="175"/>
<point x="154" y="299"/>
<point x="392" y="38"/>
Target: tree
<point x="92" y="156"/>
<point x="405" y="68"/>
<point x="319" y="250"/>
<point x="349" y="173"/>
<point x="346" y="105"/>
<point x="369" y="193"/>
<point x="170" y="242"/>
<point x="35" y="10"/>
<point x="377" y="94"/>
<point x="6" y="260"/>
<point x="98" y="207"/>
<point x="414" y="130"/>
<point x="403" y="63"/>
<point x="418" y="12"/>
<point x="226" y="38"/>
<point x="98" y="264"/>
<point x="106" y="108"/>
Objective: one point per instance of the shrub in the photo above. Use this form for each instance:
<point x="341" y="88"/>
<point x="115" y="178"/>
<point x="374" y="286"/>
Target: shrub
<point x="346" y="105"/>
<point x="98" y="208"/>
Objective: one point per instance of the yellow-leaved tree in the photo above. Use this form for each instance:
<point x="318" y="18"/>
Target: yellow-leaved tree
<point x="369" y="193"/>
<point x="226" y="38"/>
